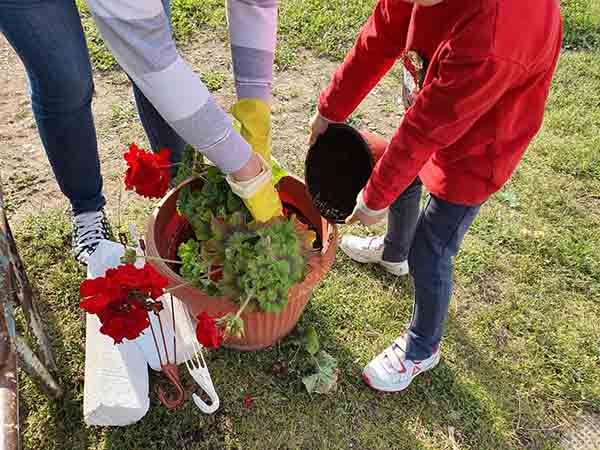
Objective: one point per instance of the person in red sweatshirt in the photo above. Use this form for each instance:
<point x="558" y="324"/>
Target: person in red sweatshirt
<point x="477" y="77"/>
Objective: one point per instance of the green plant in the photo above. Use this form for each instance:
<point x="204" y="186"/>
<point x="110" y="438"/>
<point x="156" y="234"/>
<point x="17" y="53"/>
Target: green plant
<point x="213" y="80"/>
<point x="262" y="264"/>
<point x="260" y="261"/>
<point x="193" y="268"/>
<point x="192" y="164"/>
<point x="581" y="21"/>
<point x="324" y="377"/>
<point x="253" y="263"/>
<point x="214" y="199"/>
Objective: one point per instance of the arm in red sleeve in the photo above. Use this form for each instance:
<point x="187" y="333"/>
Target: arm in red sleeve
<point x="463" y="91"/>
<point x="380" y="43"/>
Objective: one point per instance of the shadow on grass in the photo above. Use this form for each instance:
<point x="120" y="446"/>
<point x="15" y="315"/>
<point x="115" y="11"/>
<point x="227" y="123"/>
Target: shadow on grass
<point x="478" y="408"/>
<point x="283" y="415"/>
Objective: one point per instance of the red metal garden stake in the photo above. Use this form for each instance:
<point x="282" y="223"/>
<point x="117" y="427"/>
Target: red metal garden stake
<point x="169" y="369"/>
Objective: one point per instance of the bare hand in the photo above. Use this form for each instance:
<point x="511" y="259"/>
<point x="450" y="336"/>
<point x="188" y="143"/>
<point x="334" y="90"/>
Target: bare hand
<point x="367" y="220"/>
<point x="318" y="125"/>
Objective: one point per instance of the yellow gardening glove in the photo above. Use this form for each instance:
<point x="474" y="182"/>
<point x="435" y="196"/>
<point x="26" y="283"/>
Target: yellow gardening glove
<point x="253" y="121"/>
<point x="259" y="194"/>
<point x="254" y="117"/>
<point x="265" y="203"/>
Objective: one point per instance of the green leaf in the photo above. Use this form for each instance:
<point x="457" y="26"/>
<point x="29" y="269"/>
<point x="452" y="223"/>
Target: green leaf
<point x="310" y="382"/>
<point x="311" y="341"/>
<point x="278" y="171"/>
<point x="203" y="232"/>
<point x="324" y="381"/>
<point x="325" y="361"/>
<point x="233" y="202"/>
<point x="218" y="228"/>
<point x="213" y="175"/>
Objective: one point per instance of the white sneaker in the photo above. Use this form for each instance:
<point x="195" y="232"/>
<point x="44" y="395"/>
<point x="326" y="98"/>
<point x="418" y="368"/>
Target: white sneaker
<point x="89" y="229"/>
<point x="370" y="250"/>
<point x="391" y="371"/>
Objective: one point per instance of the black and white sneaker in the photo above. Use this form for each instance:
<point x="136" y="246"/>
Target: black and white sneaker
<point x="89" y="229"/>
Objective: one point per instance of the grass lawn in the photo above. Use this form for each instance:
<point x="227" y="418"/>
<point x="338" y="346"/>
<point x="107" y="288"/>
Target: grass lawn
<point x="521" y="358"/>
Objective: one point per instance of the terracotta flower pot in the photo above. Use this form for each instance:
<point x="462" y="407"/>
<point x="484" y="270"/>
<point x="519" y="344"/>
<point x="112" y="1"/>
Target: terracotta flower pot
<point x="167" y="229"/>
<point x="376" y="143"/>
<point x="338" y="166"/>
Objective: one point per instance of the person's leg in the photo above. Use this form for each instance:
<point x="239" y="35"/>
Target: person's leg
<point x="390" y="252"/>
<point x="159" y="132"/>
<point x="48" y="37"/>
<point x="402" y="223"/>
<point x="440" y="232"/>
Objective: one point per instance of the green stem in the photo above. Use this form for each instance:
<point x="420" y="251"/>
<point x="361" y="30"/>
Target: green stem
<point x="187" y="283"/>
<point x="239" y="313"/>
<point x="170" y="165"/>
<point x="174" y="288"/>
<point x="155" y="258"/>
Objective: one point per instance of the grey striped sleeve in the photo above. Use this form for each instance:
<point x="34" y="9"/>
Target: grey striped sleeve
<point x="138" y="34"/>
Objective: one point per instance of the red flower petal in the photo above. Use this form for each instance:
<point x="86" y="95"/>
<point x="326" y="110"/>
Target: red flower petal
<point x="207" y="332"/>
<point x="95" y="305"/>
<point x="92" y="287"/>
<point x="147" y="173"/>
<point x="165" y="154"/>
<point x="121" y="325"/>
<point x="115" y="299"/>
<point x="248" y="401"/>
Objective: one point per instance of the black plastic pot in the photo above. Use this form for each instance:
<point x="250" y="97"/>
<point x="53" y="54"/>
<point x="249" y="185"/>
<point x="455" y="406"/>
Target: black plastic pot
<point x="338" y="166"/>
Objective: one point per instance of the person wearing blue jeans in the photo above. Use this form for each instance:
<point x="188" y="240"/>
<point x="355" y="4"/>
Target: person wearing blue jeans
<point x="428" y="240"/>
<point x="424" y="242"/>
<point x="48" y="37"/>
<point x="474" y="99"/>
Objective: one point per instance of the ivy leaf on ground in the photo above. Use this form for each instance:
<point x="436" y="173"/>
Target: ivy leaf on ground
<point x="325" y="380"/>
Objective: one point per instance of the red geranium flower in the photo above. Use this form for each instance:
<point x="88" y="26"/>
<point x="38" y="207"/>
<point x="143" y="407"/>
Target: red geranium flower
<point x="124" y="319"/>
<point x="146" y="281"/>
<point x="147" y="172"/>
<point x="98" y="293"/>
<point x="207" y="332"/>
<point x="120" y="299"/>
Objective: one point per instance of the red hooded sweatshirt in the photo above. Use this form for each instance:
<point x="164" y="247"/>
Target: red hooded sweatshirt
<point x="489" y="65"/>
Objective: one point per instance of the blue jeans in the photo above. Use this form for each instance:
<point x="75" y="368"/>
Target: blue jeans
<point x="429" y="239"/>
<point x="48" y="37"/>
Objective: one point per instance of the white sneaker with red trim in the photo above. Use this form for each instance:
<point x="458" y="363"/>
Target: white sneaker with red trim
<point x="370" y="250"/>
<point x="392" y="371"/>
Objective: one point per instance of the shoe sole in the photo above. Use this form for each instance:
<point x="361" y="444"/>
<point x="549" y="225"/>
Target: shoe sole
<point x="369" y="383"/>
<point x="359" y="259"/>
